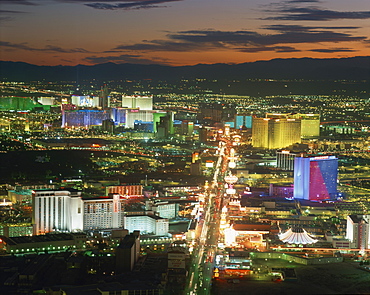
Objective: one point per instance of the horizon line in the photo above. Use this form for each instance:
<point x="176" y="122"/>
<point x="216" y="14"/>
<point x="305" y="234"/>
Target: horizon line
<point x="174" y="66"/>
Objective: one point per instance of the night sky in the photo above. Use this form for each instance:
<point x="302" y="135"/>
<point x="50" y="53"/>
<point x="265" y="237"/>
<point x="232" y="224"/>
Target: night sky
<point x="181" y="32"/>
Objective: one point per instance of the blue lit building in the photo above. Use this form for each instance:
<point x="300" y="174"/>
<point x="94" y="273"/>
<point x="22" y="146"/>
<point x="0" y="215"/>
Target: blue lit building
<point x="242" y="120"/>
<point x="119" y="116"/>
<point x="84" y="118"/>
<point x="315" y="178"/>
<point x="239" y="121"/>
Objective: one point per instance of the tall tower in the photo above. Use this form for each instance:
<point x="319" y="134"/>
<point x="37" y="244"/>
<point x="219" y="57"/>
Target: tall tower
<point x="104" y="97"/>
<point x="163" y="124"/>
<point x="315" y="178"/>
<point x="358" y="231"/>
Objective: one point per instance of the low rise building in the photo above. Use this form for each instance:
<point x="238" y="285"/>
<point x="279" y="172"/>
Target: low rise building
<point x="43" y="243"/>
<point x="147" y="224"/>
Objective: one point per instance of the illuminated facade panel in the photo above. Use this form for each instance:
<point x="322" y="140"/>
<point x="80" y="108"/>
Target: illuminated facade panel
<point x="144" y="103"/>
<point x="85" y="101"/>
<point x="241" y="120"/>
<point x="83" y="118"/>
<point x="285" y="160"/>
<point x="46" y="100"/>
<point x="126" y="190"/>
<point x="315" y="178"/>
<point x="157" y="118"/>
<point x="260" y="132"/>
<point x="119" y="115"/>
<point x="310" y="123"/>
<point x="166" y="210"/>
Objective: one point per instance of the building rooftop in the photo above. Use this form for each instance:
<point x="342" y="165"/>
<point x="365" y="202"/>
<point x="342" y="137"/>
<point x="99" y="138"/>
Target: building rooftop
<point x="39" y="238"/>
<point x="127" y="243"/>
<point x="252" y="226"/>
<point x="151" y="216"/>
<point x="72" y="190"/>
<point x="357" y="218"/>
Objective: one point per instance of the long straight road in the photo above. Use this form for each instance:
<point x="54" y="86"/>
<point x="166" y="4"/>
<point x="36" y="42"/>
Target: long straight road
<point x="201" y="269"/>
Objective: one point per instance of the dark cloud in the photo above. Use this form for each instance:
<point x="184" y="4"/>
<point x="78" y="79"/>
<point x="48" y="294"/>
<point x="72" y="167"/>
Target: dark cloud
<point x="333" y="50"/>
<point x="121" y="4"/>
<point x="278" y="49"/>
<point x="303" y="1"/>
<point x="10" y="11"/>
<point x="124" y="58"/>
<point x="62" y="50"/>
<point x="167" y="45"/>
<point x="223" y="38"/>
<point x="8" y="15"/>
<point x="299" y="28"/>
<point x="246" y="41"/>
<point x="47" y="48"/>
<point x="6" y="19"/>
<point x="316" y="14"/>
<point x="20" y="2"/>
<point x="243" y="41"/>
<point x="67" y="60"/>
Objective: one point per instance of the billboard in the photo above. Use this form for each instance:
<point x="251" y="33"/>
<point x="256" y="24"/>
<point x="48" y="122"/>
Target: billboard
<point x="176" y="260"/>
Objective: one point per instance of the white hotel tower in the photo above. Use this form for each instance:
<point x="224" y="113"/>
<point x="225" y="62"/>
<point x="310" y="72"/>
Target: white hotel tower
<point x="143" y="103"/>
<point x="56" y="210"/>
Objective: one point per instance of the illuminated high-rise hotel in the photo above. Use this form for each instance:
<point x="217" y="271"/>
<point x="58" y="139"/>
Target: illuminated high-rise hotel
<point x="315" y="178"/>
<point x="103" y="212"/>
<point x="310" y="123"/>
<point x="56" y="210"/>
<point x="275" y="133"/>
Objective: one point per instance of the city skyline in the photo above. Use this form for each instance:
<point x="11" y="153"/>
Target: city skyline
<point x="175" y="32"/>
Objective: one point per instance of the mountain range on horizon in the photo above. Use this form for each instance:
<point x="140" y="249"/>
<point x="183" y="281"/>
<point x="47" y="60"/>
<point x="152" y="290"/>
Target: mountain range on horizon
<point x="354" y="68"/>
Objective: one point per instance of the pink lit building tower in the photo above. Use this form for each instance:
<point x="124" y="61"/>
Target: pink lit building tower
<point x="315" y="178"/>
